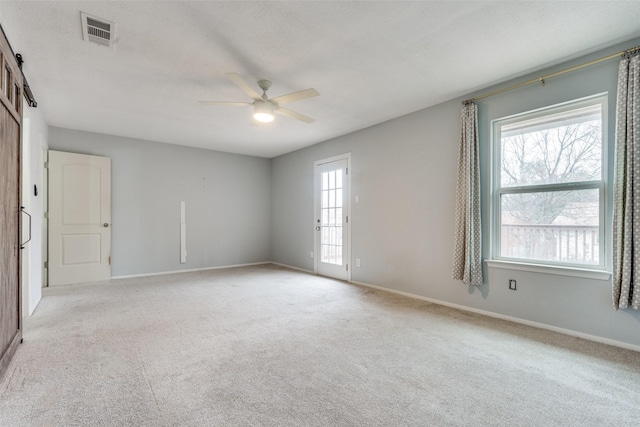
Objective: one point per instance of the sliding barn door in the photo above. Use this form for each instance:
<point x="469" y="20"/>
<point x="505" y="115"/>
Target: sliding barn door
<point x="10" y="148"/>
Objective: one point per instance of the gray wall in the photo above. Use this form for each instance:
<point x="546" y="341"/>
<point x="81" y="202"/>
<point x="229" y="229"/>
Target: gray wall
<point x="404" y="171"/>
<point x="227" y="203"/>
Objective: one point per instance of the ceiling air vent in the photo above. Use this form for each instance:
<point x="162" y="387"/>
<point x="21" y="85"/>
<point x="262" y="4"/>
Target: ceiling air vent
<point x="98" y="30"/>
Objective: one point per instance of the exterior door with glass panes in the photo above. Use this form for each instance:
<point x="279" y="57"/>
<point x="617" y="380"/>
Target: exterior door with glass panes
<point x="332" y="218"/>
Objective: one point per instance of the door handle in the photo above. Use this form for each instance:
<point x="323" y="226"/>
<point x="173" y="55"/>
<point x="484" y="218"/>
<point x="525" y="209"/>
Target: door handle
<point x="29" y="239"/>
<point x="105" y="224"/>
<point x="317" y="228"/>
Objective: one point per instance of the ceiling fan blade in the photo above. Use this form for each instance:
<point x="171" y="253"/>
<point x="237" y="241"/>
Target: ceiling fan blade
<point x="295" y="96"/>
<point x="239" y="81"/>
<point x="230" y="104"/>
<point x="294" y="115"/>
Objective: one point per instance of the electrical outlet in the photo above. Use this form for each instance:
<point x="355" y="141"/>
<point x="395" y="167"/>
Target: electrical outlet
<point x="512" y="284"/>
<point x="358" y="262"/>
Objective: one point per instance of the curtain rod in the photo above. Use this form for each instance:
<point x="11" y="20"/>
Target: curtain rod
<point x="542" y="79"/>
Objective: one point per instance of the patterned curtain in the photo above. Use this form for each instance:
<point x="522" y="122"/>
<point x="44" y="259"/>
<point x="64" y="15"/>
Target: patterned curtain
<point x="467" y="260"/>
<point x="626" y="192"/>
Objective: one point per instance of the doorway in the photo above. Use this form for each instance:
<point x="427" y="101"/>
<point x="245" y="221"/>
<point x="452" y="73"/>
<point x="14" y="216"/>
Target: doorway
<point x="79" y="218"/>
<point x="332" y="252"/>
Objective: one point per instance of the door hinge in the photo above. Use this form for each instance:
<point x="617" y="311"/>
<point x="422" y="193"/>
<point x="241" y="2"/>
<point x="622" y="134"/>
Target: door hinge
<point x="109" y="260"/>
<point x="46" y="264"/>
<point x="347" y="219"/>
<point x="346" y="171"/>
<point x="347" y="267"/>
<point x="46" y="165"/>
<point x="46" y="215"/>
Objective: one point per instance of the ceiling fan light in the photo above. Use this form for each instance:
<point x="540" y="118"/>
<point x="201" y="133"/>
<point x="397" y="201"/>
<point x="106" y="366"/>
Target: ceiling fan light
<point x="263" y="117"/>
<point x="263" y="111"/>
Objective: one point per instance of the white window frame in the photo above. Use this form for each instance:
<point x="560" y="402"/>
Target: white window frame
<point x="545" y="266"/>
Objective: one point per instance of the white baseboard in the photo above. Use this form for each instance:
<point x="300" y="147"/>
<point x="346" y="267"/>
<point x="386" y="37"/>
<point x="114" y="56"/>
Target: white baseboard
<point x="304" y="270"/>
<point x="570" y="332"/>
<point x="161" y="273"/>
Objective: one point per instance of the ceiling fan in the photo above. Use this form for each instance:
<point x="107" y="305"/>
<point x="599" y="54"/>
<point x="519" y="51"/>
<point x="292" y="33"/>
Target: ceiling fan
<point x="263" y="107"/>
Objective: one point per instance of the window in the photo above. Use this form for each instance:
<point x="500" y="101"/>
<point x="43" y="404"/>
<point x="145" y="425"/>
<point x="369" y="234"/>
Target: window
<point x="6" y="82"/>
<point x="548" y="185"/>
<point x="17" y="98"/>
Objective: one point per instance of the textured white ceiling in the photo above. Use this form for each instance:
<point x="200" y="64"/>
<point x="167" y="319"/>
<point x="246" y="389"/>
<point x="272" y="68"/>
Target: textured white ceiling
<point x="370" y="61"/>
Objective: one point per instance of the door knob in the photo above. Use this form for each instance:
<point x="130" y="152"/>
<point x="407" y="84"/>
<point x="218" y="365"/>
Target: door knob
<point x="317" y="228"/>
<point x="105" y="225"/>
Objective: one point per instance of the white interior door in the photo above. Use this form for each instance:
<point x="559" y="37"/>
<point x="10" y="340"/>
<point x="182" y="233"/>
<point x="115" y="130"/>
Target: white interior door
<point x="332" y="252"/>
<point x="79" y="218"/>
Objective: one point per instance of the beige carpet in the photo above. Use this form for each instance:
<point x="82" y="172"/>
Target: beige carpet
<point x="268" y="346"/>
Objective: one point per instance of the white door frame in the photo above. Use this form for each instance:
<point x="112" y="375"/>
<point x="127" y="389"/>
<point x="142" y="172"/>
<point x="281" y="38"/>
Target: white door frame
<point x="84" y="237"/>
<point x="346" y="254"/>
<point x="44" y="190"/>
<point x="25" y="200"/>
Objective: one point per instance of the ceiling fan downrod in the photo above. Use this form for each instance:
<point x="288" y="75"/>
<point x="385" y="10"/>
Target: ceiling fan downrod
<point x="264" y="85"/>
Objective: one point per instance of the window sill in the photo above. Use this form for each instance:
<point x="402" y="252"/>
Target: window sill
<point x="550" y="269"/>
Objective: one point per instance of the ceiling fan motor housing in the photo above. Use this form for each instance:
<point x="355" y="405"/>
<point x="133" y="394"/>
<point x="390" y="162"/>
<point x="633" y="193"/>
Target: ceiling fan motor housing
<point x="264" y="85"/>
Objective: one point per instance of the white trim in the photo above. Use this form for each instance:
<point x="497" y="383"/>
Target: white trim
<point x="304" y="270"/>
<point x="332" y="159"/>
<point x="602" y="184"/>
<point x="314" y="220"/>
<point x="550" y="269"/>
<point x="349" y="218"/>
<point x="191" y="270"/>
<point x="183" y="232"/>
<point x="569" y="332"/>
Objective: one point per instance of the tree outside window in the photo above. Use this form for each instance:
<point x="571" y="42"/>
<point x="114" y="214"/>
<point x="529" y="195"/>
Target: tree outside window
<point x="549" y="184"/>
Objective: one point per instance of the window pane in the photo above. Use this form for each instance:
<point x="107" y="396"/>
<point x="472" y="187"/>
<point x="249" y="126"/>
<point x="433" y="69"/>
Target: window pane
<point x="556" y="148"/>
<point x="324" y="253"/>
<point x="6" y="82"/>
<point x="338" y="255"/>
<point x="17" y="98"/>
<point x="560" y="226"/>
<point x="325" y="236"/>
